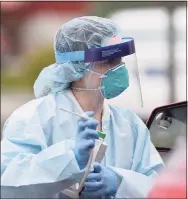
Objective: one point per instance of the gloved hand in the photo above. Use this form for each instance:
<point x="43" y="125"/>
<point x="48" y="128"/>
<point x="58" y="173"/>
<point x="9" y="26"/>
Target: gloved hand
<point x="85" y="140"/>
<point x="101" y="182"/>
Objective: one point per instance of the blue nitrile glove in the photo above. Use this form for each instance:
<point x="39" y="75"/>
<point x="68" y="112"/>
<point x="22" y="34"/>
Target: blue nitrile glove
<point x="101" y="182"/>
<point x="85" y="140"/>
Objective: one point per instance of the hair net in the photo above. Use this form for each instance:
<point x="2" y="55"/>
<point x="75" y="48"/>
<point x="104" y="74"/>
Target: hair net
<point x="76" y="35"/>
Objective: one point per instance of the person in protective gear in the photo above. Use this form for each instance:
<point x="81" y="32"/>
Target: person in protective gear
<point x="43" y="144"/>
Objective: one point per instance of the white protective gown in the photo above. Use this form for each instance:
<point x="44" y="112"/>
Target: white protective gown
<point x="39" y="138"/>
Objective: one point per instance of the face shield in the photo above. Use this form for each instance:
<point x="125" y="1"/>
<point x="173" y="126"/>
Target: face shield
<point x="116" y="71"/>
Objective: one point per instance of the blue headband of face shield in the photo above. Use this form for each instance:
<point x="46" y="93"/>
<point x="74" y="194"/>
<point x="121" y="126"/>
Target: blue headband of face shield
<point x="118" y="75"/>
<point x="125" y="48"/>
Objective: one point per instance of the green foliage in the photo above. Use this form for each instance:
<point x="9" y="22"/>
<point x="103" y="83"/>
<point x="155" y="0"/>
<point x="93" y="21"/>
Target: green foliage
<point x="31" y="68"/>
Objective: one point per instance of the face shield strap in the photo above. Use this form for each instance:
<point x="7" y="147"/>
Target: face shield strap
<point x="123" y="49"/>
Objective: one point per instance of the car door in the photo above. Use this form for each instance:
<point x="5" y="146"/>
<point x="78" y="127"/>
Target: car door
<point x="166" y="124"/>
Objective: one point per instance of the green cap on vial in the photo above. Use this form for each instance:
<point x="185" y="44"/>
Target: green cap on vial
<point x="101" y="134"/>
